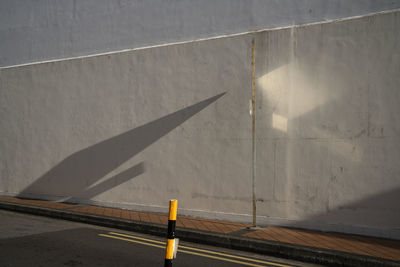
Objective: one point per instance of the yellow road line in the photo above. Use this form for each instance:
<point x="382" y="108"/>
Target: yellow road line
<point x="202" y="250"/>
<point x="136" y="237"/>
<point x="220" y="258"/>
<point x="130" y="240"/>
<point x="183" y="251"/>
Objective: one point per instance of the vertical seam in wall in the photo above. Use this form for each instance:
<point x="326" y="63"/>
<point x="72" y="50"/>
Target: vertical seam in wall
<point x="253" y="115"/>
<point x="274" y="170"/>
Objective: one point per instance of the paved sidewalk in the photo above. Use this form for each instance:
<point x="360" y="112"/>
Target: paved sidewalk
<point x="373" y="251"/>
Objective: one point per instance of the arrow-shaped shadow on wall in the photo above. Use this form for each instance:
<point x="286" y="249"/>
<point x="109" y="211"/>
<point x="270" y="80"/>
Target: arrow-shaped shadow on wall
<point x="75" y="175"/>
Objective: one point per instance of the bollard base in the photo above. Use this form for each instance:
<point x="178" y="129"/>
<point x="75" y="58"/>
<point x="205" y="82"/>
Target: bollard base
<point x="168" y="263"/>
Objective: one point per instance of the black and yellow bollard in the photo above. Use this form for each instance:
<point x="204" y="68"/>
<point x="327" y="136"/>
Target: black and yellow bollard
<point x="171" y="246"/>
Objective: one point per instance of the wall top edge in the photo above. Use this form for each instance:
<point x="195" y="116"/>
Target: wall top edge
<point x="205" y="39"/>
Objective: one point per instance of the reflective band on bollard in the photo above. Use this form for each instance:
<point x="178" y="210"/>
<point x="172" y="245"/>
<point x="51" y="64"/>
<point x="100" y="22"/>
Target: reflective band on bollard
<point x="171" y="247"/>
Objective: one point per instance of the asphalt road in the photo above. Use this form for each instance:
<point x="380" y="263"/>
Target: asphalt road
<point x="27" y="240"/>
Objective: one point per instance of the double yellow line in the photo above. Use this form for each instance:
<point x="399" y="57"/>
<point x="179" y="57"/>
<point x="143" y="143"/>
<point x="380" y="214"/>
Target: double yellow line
<point x="194" y="251"/>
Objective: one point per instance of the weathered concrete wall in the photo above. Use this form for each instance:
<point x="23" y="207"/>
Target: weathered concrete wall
<point x="68" y="126"/>
<point x="135" y="129"/>
<point x="328" y="129"/>
<point x="32" y="31"/>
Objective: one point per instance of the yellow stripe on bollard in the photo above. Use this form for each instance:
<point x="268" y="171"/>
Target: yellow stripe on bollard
<point x="169" y="253"/>
<point x="169" y="250"/>
<point x="173" y="208"/>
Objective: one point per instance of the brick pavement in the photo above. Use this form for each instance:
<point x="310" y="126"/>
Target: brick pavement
<point x="360" y="245"/>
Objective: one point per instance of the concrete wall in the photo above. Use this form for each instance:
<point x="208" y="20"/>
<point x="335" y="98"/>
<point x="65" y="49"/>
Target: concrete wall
<point x="150" y="124"/>
<point x="32" y="31"/>
<point x="135" y="129"/>
<point x="328" y="129"/>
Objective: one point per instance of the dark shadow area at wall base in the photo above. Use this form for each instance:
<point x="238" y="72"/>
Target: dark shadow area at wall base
<point x="371" y="210"/>
<point x="111" y="182"/>
<point x="271" y="248"/>
<point x="74" y="176"/>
